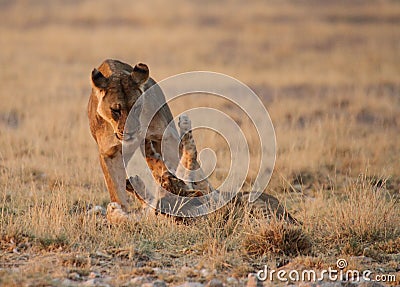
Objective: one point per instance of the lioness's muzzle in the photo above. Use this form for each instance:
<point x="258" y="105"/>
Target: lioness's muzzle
<point x="119" y="136"/>
<point x="124" y="136"/>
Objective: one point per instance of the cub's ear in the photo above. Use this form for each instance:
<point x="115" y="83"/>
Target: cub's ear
<point x="98" y="79"/>
<point x="140" y="73"/>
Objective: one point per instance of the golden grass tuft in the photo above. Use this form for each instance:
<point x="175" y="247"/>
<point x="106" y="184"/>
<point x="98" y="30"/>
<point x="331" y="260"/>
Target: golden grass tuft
<point x="277" y="238"/>
<point x="361" y="215"/>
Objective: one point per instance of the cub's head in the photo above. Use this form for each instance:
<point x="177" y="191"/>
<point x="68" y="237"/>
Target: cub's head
<point x="116" y="96"/>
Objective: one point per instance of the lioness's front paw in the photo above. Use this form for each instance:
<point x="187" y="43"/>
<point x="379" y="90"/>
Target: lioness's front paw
<point x="115" y="214"/>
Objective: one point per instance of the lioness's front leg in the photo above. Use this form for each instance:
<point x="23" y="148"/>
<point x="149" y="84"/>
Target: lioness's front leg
<point x="115" y="177"/>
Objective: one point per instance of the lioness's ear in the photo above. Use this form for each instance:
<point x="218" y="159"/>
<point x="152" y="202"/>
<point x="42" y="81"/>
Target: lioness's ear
<point x="98" y="79"/>
<point x="140" y="73"/>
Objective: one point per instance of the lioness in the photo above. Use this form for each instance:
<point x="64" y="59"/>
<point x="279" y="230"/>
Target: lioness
<point x="116" y="86"/>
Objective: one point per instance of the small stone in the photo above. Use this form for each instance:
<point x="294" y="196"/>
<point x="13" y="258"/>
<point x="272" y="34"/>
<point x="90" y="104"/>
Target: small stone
<point x="74" y="276"/>
<point x="137" y="280"/>
<point x="231" y="281"/>
<point x="93" y="275"/>
<point x="186" y="269"/>
<point x="68" y="283"/>
<point x="95" y="283"/>
<point x="333" y="284"/>
<point x="159" y="271"/>
<point x="97" y="210"/>
<point x="189" y="272"/>
<point x="297" y="188"/>
<point x="205" y="272"/>
<point x="159" y="283"/>
<point x="191" y="284"/>
<point x="253" y="281"/>
<point x="215" y="283"/>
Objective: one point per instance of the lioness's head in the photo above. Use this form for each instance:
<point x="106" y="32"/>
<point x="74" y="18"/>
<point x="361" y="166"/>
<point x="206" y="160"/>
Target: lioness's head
<point x="117" y="94"/>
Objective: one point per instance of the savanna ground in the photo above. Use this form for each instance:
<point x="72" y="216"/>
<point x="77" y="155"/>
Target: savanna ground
<point x="328" y="73"/>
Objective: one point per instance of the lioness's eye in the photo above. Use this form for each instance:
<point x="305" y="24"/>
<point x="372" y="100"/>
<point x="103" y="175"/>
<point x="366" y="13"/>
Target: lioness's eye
<point x="116" y="113"/>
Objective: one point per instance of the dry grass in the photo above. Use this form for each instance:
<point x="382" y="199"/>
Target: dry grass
<point x="358" y="217"/>
<point x="328" y="75"/>
<point x="277" y="237"/>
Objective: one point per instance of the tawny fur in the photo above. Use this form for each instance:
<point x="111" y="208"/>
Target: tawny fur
<point x="115" y="88"/>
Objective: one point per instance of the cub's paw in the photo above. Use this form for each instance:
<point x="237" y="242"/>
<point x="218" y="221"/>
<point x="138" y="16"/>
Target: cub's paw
<point x="184" y="124"/>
